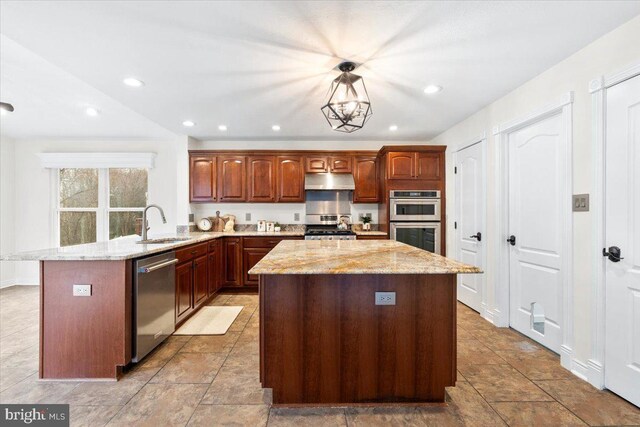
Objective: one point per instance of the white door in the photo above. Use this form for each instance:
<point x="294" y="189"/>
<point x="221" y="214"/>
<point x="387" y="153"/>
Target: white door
<point x="470" y="232"/>
<point x="536" y="177"/>
<point x="622" y="214"/>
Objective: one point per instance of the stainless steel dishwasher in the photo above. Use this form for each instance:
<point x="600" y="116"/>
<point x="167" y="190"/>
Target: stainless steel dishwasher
<point x="154" y="302"/>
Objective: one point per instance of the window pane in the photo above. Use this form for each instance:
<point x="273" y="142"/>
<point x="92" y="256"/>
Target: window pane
<point x="77" y="228"/>
<point x="128" y="188"/>
<point x="124" y="223"/>
<point x="79" y="188"/>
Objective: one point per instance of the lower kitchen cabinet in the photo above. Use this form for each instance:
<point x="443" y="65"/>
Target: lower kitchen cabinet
<point x="184" y="290"/>
<point x="215" y="266"/>
<point x="232" y="261"/>
<point x="200" y="281"/>
<point x="250" y="257"/>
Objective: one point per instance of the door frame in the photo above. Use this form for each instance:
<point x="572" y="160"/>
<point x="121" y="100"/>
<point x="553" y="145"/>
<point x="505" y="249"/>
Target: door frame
<point x="501" y="132"/>
<point x="481" y="139"/>
<point x="598" y="90"/>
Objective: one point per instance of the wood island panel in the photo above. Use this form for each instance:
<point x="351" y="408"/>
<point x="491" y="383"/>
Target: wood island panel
<point x="324" y="341"/>
<point x="85" y="337"/>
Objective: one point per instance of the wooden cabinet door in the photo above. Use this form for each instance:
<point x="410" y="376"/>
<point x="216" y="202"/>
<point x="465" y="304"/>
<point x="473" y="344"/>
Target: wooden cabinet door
<point x="261" y="176"/>
<point x="340" y="164"/>
<point x="290" y="179"/>
<point x="365" y="175"/>
<point x="401" y="165"/>
<point x="184" y="290"/>
<point x="232" y="261"/>
<point x="202" y="178"/>
<point x="250" y="257"/>
<point x="315" y="164"/>
<point x="428" y="166"/>
<point x="200" y="281"/>
<point x="232" y="179"/>
<point x="215" y="267"/>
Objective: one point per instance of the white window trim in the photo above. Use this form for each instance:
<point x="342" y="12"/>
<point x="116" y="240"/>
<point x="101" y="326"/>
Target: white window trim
<point x="102" y="211"/>
<point x="97" y="160"/>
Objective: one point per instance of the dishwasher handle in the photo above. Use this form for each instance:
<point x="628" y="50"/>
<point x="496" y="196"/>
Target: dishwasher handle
<point x="157" y="266"/>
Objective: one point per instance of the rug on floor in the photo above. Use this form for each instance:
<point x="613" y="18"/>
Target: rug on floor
<point x="210" y="320"/>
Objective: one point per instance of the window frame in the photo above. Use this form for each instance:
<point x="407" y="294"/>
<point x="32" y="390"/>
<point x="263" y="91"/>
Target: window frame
<point x="104" y="203"/>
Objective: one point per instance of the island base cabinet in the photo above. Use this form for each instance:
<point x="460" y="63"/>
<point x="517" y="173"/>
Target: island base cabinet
<point x="85" y="337"/>
<point x="324" y="341"/>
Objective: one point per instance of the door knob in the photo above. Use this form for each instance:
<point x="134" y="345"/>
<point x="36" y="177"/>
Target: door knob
<point x="613" y="253"/>
<point x="478" y="236"/>
<point x="512" y="240"/>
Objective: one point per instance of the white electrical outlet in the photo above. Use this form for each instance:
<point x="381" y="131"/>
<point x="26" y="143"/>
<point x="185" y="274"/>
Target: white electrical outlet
<point x="81" y="290"/>
<point x="385" y="298"/>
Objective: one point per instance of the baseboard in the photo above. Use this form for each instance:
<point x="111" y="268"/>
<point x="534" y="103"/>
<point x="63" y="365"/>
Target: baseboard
<point x="595" y="374"/>
<point x="7" y="282"/>
<point x="16" y="282"/>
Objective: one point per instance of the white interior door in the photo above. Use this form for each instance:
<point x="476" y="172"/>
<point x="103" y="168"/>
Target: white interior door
<point x="622" y="215"/>
<point x="470" y="232"/>
<point x="536" y="176"/>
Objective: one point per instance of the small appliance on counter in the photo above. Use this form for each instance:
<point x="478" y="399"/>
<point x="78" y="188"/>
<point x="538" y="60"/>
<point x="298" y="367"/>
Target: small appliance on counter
<point x="262" y="225"/>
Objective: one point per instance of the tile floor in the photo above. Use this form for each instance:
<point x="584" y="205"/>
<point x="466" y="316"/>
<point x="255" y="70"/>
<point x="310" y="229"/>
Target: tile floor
<point x="503" y="378"/>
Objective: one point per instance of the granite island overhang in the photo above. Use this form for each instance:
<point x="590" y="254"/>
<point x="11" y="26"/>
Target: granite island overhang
<point x="327" y="335"/>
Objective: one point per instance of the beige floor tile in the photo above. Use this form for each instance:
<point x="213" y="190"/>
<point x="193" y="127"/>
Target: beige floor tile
<point x="317" y="417"/>
<point x="104" y="393"/>
<point x="211" y="343"/>
<point x="594" y="406"/>
<point x="141" y="372"/>
<point x="190" y="368"/>
<point x="230" y="415"/>
<point x="384" y="417"/>
<point x="471" y="407"/>
<point x="91" y="416"/>
<point x="473" y="352"/>
<point x="520" y="414"/>
<point x="32" y="391"/>
<point x="237" y="386"/>
<point x="500" y="383"/>
<point x="162" y="354"/>
<point x="161" y="405"/>
<point x="536" y="365"/>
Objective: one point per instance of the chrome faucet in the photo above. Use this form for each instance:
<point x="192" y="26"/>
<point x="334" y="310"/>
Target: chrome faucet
<point x="145" y="223"/>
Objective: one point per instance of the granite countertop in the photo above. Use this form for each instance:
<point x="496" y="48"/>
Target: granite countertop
<point x="370" y="233"/>
<point x="127" y="248"/>
<point x="355" y="257"/>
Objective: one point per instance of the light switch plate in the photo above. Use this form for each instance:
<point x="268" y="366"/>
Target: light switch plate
<point x="81" y="290"/>
<point x="247" y="216"/>
<point x="296" y="216"/>
<point x="385" y="298"/>
<point x="580" y="203"/>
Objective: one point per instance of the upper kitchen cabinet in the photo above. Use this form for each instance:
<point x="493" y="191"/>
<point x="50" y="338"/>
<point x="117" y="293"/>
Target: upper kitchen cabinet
<point x="261" y="177"/>
<point x="414" y="163"/>
<point x="290" y="179"/>
<point x="365" y="175"/>
<point x="333" y="164"/>
<point x="202" y="178"/>
<point x="232" y="178"/>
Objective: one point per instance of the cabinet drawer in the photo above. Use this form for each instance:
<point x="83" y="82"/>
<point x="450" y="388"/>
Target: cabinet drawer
<point x="191" y="252"/>
<point x="261" y="242"/>
<point x="214" y="245"/>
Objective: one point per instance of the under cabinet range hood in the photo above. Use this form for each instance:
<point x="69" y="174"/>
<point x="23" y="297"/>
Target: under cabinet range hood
<point x="329" y="181"/>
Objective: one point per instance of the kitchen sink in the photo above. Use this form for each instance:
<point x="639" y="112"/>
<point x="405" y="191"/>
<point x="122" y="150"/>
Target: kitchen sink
<point x="163" y="240"/>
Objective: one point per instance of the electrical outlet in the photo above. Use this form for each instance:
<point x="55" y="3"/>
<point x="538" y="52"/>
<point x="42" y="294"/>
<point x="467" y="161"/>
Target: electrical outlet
<point x="247" y="216"/>
<point x="296" y="216"/>
<point x="385" y="298"/>
<point x="81" y="290"/>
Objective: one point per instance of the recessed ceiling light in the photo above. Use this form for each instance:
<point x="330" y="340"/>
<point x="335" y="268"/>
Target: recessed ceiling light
<point x="188" y="123"/>
<point x="133" y="82"/>
<point x="275" y="127"/>
<point x="431" y="89"/>
<point x="393" y="128"/>
<point x="222" y="128"/>
<point x="91" y="112"/>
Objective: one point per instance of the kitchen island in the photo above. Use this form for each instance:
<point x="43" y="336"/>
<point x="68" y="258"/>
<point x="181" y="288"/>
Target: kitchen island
<point x="357" y="322"/>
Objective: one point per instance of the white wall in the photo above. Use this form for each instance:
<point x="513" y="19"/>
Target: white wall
<point x="7" y="203"/>
<point x="611" y="53"/>
<point x="33" y="205"/>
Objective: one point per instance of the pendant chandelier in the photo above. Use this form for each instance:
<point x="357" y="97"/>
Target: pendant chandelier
<point x="348" y="107"/>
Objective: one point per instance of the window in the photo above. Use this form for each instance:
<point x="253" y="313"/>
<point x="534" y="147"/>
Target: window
<point x="99" y="204"/>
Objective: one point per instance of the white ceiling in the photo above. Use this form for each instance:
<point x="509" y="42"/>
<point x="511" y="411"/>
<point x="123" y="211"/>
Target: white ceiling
<point x="250" y="65"/>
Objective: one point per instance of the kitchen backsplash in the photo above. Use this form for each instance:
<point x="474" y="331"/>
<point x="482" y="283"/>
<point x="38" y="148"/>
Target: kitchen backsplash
<point x="284" y="213"/>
